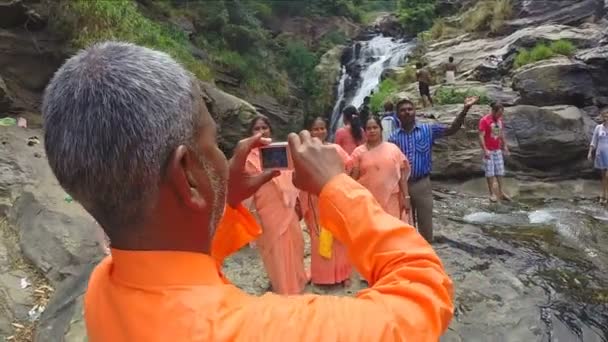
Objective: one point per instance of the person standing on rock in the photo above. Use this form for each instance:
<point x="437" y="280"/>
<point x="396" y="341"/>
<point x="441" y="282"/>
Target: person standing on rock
<point x="450" y="71"/>
<point x="599" y="147"/>
<point x="493" y="145"/>
<point x="424" y="83"/>
<point x="416" y="141"/>
<point x="281" y="245"/>
<point x="138" y="149"/>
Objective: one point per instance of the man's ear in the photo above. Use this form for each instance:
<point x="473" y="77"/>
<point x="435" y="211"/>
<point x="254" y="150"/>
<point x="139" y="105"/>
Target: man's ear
<point x="182" y="172"/>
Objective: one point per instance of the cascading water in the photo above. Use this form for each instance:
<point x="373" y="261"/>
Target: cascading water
<point x="373" y="57"/>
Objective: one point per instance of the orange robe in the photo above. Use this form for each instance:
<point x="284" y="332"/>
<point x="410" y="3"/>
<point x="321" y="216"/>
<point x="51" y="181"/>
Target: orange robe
<point x="380" y="170"/>
<point x="345" y="139"/>
<point x="181" y="297"/>
<point x="281" y="244"/>
<point x="325" y="271"/>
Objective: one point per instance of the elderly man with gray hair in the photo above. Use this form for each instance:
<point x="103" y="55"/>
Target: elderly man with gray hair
<point x="129" y="137"/>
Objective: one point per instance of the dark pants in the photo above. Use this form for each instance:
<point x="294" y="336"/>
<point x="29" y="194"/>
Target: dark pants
<point x="424" y="89"/>
<point x="421" y="197"/>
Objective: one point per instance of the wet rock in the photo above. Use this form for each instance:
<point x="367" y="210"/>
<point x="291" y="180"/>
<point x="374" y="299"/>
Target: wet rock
<point x="16" y="14"/>
<point x="555" y="81"/>
<point x="471" y="54"/>
<point x="6" y="99"/>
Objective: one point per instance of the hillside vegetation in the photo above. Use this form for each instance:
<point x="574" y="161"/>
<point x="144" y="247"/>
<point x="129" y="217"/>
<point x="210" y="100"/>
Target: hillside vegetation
<point x="231" y="36"/>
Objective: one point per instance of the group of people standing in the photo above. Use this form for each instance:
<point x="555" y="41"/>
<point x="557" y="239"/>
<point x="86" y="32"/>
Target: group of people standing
<point x="390" y="156"/>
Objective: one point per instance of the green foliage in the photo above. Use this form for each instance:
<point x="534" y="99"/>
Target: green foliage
<point x="87" y="22"/>
<point x="416" y="15"/>
<point x="487" y="15"/>
<point x="563" y="47"/>
<point x="408" y="75"/>
<point x="387" y="88"/>
<point x="542" y="51"/>
<point x="450" y="95"/>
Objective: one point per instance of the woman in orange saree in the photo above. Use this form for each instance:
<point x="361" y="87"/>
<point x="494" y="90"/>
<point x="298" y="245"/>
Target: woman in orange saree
<point x="383" y="169"/>
<point x="281" y="244"/>
<point x="330" y="267"/>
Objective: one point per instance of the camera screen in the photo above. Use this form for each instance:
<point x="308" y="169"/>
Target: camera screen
<point x="274" y="157"/>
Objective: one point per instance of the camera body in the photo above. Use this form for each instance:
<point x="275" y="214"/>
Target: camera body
<point x="275" y="156"/>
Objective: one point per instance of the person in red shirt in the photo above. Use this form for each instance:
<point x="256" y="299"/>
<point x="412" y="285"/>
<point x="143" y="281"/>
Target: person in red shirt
<point x="492" y="141"/>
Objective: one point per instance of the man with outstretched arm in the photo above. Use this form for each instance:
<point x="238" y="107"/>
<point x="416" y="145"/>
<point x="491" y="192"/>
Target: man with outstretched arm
<point x="137" y="147"/>
<point x="416" y="141"/>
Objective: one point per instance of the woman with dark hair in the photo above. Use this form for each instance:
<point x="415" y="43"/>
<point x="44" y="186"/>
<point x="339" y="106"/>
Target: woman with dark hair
<point x="328" y="258"/>
<point x="383" y="169"/>
<point x="281" y="244"/>
<point x="351" y="135"/>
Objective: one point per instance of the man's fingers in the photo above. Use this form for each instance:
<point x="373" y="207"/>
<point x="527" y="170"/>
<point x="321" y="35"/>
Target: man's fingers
<point x="305" y="137"/>
<point x="293" y="140"/>
<point x="239" y="158"/>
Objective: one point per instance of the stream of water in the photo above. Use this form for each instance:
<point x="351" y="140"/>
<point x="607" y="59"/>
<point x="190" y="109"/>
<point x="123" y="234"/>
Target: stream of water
<point x="372" y="57"/>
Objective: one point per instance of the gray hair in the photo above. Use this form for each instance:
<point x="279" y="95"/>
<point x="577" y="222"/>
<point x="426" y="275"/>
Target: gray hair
<point x="113" y="114"/>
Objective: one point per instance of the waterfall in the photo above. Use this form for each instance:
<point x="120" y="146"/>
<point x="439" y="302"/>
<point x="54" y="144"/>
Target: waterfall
<point x="374" y="56"/>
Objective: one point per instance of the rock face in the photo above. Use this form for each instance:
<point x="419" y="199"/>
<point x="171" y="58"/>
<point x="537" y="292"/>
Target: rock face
<point x="56" y="236"/>
<point x="555" y="81"/>
<point x="231" y="113"/>
<point x="6" y="101"/>
<point x="597" y="61"/>
<point x="328" y="70"/>
<point x="544" y="142"/>
<point x="388" y="24"/>
<point x="471" y="54"/>
<point x="15" y="13"/>
<point x="566" y="12"/>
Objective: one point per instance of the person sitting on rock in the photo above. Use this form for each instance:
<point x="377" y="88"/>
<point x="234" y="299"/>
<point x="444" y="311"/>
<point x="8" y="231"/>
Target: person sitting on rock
<point x="599" y="147"/>
<point x="493" y="143"/>
<point x="424" y="82"/>
<point x="416" y="141"/>
<point x="128" y="135"/>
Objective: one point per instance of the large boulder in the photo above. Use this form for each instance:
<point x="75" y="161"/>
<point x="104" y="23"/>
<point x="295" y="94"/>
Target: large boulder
<point x="231" y="114"/>
<point x="545" y="142"/>
<point x="28" y="60"/>
<point x="597" y="60"/>
<point x="472" y="54"/>
<point x="547" y="138"/>
<point x="555" y="81"/>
